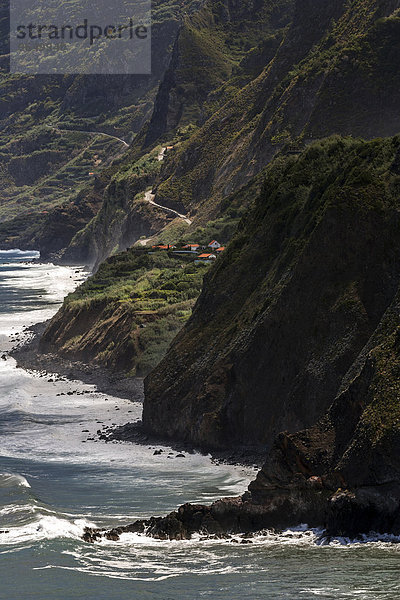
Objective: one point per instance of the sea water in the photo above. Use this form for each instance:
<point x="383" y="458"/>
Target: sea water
<point x="54" y="481"/>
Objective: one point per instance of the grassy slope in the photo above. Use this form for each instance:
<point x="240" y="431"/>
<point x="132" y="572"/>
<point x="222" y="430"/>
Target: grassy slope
<point x="126" y="315"/>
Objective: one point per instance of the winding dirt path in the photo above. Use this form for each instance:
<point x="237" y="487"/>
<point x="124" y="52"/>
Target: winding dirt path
<point x="149" y="196"/>
<point x="114" y="137"/>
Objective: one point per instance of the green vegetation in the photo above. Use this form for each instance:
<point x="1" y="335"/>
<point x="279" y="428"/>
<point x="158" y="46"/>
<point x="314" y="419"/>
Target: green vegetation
<point x="148" y="280"/>
<point x="123" y="209"/>
<point x="44" y="160"/>
<point x="382" y="417"/>
<point x="259" y="110"/>
<point x="306" y="280"/>
<point x="36" y="180"/>
<point x="348" y="174"/>
<point x="127" y="314"/>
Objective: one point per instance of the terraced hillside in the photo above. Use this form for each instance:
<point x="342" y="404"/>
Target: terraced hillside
<point x="45" y="154"/>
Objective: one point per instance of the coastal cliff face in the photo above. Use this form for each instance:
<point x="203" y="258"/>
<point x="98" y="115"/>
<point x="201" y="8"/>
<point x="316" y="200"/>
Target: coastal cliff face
<point x="287" y="310"/>
<point x="245" y="82"/>
<point x="345" y="468"/>
<point x="341" y="474"/>
<point x="46" y="156"/>
<point x="334" y="70"/>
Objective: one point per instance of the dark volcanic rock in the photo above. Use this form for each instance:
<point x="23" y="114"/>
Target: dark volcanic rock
<point x="289" y="307"/>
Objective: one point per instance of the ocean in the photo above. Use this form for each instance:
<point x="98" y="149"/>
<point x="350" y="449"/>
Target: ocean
<point x="54" y="482"/>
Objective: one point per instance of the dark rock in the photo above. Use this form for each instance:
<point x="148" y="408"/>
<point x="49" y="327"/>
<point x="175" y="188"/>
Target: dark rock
<point x="293" y="311"/>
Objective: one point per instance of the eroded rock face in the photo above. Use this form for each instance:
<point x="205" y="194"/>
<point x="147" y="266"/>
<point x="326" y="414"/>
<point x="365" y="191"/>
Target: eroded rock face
<point x="350" y="458"/>
<point x="287" y="310"/>
<point x="342" y="474"/>
<point x="223" y="518"/>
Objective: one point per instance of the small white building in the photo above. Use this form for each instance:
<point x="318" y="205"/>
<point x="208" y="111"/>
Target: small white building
<point x="202" y="258"/>
<point x="214" y="245"/>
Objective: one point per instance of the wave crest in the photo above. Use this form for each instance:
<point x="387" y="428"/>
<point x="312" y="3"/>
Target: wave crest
<point x="8" y="480"/>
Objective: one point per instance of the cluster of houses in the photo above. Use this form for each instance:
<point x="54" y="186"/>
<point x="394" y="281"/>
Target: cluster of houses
<point x="200" y="253"/>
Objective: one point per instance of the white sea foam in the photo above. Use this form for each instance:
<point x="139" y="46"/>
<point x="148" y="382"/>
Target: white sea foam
<point x="13" y="479"/>
<point x="290" y="537"/>
<point x="47" y="284"/>
<point x="111" y="574"/>
<point x="14" y="509"/>
<point x="301" y="537"/>
<point x="47" y="430"/>
<point x="45" y="527"/>
<point x="24" y="253"/>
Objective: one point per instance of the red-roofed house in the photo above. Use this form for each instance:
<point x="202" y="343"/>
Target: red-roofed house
<point x="214" y="245"/>
<point x="162" y="247"/>
<point x="207" y="256"/>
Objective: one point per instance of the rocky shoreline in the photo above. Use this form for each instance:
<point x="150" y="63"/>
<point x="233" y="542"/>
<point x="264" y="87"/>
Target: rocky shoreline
<point x="328" y="476"/>
<point x="301" y="482"/>
<point x="28" y="355"/>
<point x="282" y="496"/>
<point x="135" y="433"/>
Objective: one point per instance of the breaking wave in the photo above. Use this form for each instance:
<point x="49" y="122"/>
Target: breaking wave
<point x="12" y="480"/>
<point x="44" y="527"/>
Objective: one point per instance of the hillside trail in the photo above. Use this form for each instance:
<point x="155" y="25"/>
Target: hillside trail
<point x="149" y="197"/>
<point x="114" y="137"/>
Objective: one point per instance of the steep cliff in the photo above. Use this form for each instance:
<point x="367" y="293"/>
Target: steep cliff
<point x="124" y="215"/>
<point x="51" y="231"/>
<point x="288" y="309"/>
<point x="335" y="71"/>
<point x="345" y="468"/>
<point x="208" y="49"/>
<point x="302" y="312"/>
<point x="209" y="46"/>
<point x="45" y="153"/>
<point x="342" y="474"/>
<point x="246" y="81"/>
